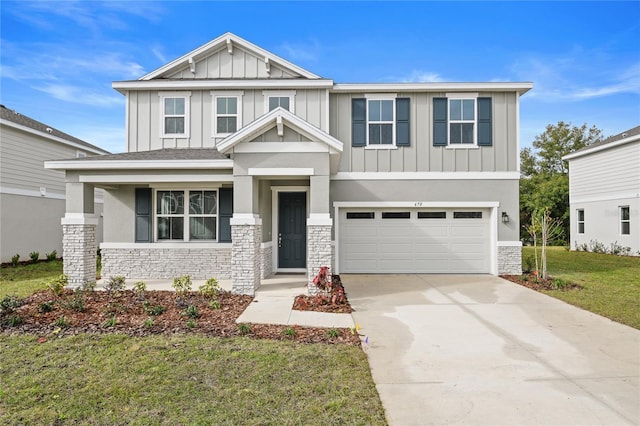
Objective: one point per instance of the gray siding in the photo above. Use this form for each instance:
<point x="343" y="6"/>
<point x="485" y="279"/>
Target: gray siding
<point x="119" y="217"/>
<point x="144" y="126"/>
<point x="422" y="156"/>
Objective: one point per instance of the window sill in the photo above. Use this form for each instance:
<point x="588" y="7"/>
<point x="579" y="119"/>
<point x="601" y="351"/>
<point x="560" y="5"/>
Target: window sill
<point x="175" y="136"/>
<point x="166" y="245"/>
<point x="380" y="147"/>
<point x="462" y="147"/>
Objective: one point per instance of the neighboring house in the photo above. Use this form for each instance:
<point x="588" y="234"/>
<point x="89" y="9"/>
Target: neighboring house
<point x="32" y="199"/>
<point x="604" y="192"/>
<point x="242" y="164"/>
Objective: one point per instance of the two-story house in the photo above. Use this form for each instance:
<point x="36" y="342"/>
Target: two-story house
<point x="32" y="199"/>
<point x="241" y="164"/>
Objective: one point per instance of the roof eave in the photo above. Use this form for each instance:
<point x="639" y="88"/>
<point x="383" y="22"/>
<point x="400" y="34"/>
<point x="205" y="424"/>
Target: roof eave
<point x="520" y="87"/>
<point x="593" y="150"/>
<point x="137" y="164"/>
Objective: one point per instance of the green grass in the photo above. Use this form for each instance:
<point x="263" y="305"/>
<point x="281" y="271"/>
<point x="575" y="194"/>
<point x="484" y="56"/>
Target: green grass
<point x="611" y="283"/>
<point x="114" y="379"/>
<point x="23" y="280"/>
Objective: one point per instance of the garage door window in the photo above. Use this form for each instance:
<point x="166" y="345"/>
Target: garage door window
<point x="432" y="215"/>
<point x="396" y="215"/>
<point x="361" y="215"/>
<point x="467" y="215"/>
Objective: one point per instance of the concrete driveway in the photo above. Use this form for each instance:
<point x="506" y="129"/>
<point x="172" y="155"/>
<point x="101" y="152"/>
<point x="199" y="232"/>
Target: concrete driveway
<point x="476" y="349"/>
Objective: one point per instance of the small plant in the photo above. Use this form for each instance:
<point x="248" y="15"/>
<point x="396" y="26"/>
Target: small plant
<point x="139" y="288"/>
<point x="529" y="264"/>
<point x="115" y="308"/>
<point x="108" y="323"/>
<point x="13" y="321"/>
<point x="61" y="322"/>
<point x="148" y="323"/>
<point x="15" y="259"/>
<point x="191" y="323"/>
<point x="153" y="310"/>
<point x="116" y="284"/>
<point x="182" y="285"/>
<point x="210" y="289"/>
<point x="559" y="284"/>
<point x="524" y="278"/>
<point x="289" y="332"/>
<point x="52" y="256"/>
<point x="89" y="286"/>
<point x="45" y="307"/>
<point x="333" y="333"/>
<point x="8" y="304"/>
<point x="191" y="311"/>
<point x="74" y="303"/>
<point x="214" y="304"/>
<point x="244" y="329"/>
<point x="582" y="247"/>
<point x="58" y="284"/>
<point x="34" y="255"/>
<point x="597" y="247"/>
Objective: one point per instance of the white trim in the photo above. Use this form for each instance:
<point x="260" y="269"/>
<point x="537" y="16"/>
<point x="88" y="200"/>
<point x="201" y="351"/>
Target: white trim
<point x="137" y="164"/>
<point x="291" y="94"/>
<point x="622" y="221"/>
<point x="266" y="244"/>
<point x="301" y="147"/>
<point x="426" y="176"/>
<point x="164" y="245"/>
<point x="493" y="246"/>
<point x="187" y="116"/>
<point x="239" y="95"/>
<point x="386" y="146"/>
<point x="509" y="243"/>
<point x="79" y="219"/>
<point x="462" y="95"/>
<point x="605" y="197"/>
<point x="521" y="87"/>
<point x="630" y="139"/>
<point x="462" y="146"/>
<point x="155" y="178"/>
<point x="280" y="171"/>
<point x="274" y="83"/>
<point x="76" y="145"/>
<point x="31" y="193"/>
<point x="381" y="96"/>
<point x="291" y="270"/>
<point x="186" y="215"/>
<point x="319" y="219"/>
<point x="274" y="221"/>
<point x="245" y="219"/>
<point x="417" y="204"/>
<point x="517" y="153"/>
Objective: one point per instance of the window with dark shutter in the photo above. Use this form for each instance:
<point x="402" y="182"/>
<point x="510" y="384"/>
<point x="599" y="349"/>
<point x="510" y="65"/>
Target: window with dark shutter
<point x="402" y="122"/>
<point x="359" y="122"/>
<point x="143" y="215"/>
<point x="224" y="217"/>
<point x="440" y="121"/>
<point x="485" y="131"/>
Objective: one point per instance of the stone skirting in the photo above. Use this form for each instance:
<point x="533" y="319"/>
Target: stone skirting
<point x="266" y="261"/>
<point x="246" y="258"/>
<point x="319" y="251"/>
<point x="510" y="260"/>
<point x="167" y="263"/>
<point x="79" y="248"/>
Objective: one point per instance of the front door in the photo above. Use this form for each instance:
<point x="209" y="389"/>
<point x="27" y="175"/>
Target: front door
<point x="292" y="230"/>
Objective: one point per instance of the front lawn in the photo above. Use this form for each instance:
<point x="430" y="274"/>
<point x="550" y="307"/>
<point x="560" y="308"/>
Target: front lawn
<point x="611" y="283"/>
<point x="23" y="280"/>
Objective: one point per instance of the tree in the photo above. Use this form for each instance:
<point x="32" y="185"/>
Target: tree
<point x="545" y="176"/>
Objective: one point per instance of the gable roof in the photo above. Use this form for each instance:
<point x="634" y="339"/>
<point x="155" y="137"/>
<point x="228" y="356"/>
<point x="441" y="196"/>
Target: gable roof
<point x="15" y="119"/>
<point x="628" y="136"/>
<point x="279" y="117"/>
<point x="226" y="40"/>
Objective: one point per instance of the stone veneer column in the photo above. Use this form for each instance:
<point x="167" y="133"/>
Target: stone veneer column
<point x="246" y="232"/>
<point x="319" y="249"/>
<point x="79" y="246"/>
<point x="509" y="257"/>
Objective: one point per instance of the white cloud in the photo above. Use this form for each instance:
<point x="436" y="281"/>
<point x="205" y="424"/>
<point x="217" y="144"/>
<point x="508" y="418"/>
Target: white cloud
<point x="80" y="95"/>
<point x="304" y="52"/>
<point x="417" y="76"/>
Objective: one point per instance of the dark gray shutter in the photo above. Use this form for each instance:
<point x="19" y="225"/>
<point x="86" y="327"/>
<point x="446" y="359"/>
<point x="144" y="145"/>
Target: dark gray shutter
<point x="224" y="216"/>
<point x="402" y="122"/>
<point x="485" y="131"/>
<point x="358" y="122"/>
<point x="143" y="215"/>
<point x="440" y="121"/>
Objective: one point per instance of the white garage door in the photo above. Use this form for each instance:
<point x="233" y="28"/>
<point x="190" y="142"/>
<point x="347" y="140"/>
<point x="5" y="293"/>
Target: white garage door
<point x="414" y="241"/>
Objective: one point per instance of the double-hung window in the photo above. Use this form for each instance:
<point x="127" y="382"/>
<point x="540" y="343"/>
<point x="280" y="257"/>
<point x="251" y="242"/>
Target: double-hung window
<point x="462" y="121"/>
<point x="227" y="113"/>
<point x="580" y="214"/>
<point x="380" y="119"/>
<point x="274" y="99"/>
<point x="625" y="221"/>
<point x="174" y="114"/>
<point x="186" y="219"/>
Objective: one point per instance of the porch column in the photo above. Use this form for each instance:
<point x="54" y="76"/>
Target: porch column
<point x="79" y="244"/>
<point x="319" y="225"/>
<point x="246" y="233"/>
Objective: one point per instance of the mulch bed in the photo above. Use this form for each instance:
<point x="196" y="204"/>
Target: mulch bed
<point x="99" y="308"/>
<point x="532" y="281"/>
<point x="318" y="303"/>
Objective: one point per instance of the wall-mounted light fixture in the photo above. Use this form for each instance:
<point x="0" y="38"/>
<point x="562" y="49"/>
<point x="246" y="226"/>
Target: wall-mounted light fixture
<point x="505" y="217"/>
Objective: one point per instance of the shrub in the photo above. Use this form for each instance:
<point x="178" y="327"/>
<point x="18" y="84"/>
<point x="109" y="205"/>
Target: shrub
<point x="214" y="304"/>
<point x="191" y="323"/>
<point x="244" y="329"/>
<point x="34" y="255"/>
<point x="529" y="264"/>
<point x="597" y="247"/>
<point x="111" y="322"/>
<point x="148" y="323"/>
<point x="74" y="303"/>
<point x="115" y="308"/>
<point x="52" y="256"/>
<point x="116" y="284"/>
<point x="289" y="332"/>
<point x="13" y="321"/>
<point x="333" y="333"/>
<point x="15" y="259"/>
<point x="139" y="287"/>
<point x="153" y="310"/>
<point x="619" y="250"/>
<point x="191" y="311"/>
<point x="58" y="284"/>
<point x="61" y="322"/>
<point x="89" y="286"/>
<point x="210" y="289"/>
<point x="559" y="284"/>
<point x="8" y="304"/>
<point x="46" y="307"/>
<point x="182" y="285"/>
<point x="330" y="286"/>
<point x="582" y="247"/>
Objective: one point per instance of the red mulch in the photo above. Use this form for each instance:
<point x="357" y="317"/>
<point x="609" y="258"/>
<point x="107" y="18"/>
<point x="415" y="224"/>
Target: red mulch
<point x="532" y="281"/>
<point x="128" y="310"/>
<point x="320" y="303"/>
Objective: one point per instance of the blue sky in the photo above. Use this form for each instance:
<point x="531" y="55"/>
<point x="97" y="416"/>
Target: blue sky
<point x="58" y="59"/>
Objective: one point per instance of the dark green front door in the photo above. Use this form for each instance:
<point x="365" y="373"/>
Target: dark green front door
<point x="292" y="229"/>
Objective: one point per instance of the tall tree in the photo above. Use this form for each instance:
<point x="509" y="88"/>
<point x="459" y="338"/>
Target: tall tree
<point x="545" y="176"/>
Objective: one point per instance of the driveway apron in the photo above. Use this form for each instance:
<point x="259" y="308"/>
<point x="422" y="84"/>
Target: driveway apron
<point x="479" y="350"/>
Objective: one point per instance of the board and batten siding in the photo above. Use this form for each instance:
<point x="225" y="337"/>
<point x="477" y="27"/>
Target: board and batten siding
<point x="143" y="133"/>
<point x="609" y="174"/>
<point x="421" y="155"/>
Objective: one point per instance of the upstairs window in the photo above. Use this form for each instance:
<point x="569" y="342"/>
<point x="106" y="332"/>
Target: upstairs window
<point x="380" y="121"/>
<point x="625" y="221"/>
<point x="227" y="113"/>
<point x="580" y="214"/>
<point x="275" y="99"/>
<point x="462" y="121"/>
<point x="174" y="111"/>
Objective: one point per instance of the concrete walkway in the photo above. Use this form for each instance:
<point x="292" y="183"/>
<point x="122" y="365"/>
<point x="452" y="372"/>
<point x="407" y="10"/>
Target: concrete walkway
<point x="479" y="350"/>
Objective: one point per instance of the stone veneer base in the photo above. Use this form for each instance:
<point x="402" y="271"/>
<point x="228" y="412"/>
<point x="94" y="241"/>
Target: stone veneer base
<point x="509" y="260"/>
<point x="79" y="246"/>
<point x="245" y="258"/>
<point x="319" y="251"/>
